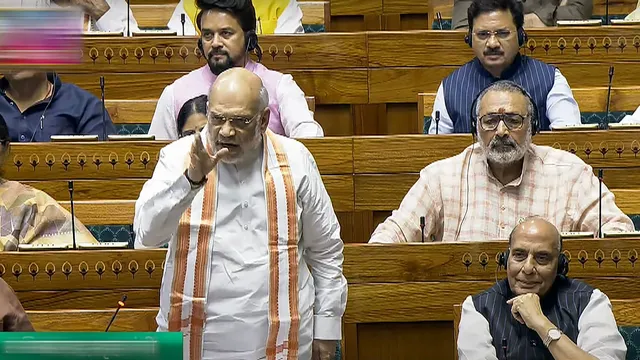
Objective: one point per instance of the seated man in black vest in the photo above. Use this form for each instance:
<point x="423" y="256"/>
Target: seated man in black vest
<point x="537" y="312"/>
<point x="496" y="35"/>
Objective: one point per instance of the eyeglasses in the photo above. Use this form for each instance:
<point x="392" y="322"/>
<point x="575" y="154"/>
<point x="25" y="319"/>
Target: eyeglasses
<point x="237" y="122"/>
<point x="513" y="122"/>
<point x="502" y="34"/>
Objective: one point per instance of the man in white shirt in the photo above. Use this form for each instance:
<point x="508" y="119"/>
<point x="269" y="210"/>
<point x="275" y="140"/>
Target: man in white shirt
<point x="100" y="15"/>
<point x="537" y="312"/>
<point x="228" y="36"/>
<point x="496" y="35"/>
<point x="289" y="20"/>
<point x="254" y="266"/>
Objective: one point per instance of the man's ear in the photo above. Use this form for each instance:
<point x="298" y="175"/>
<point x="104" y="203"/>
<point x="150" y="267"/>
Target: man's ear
<point x="264" y="120"/>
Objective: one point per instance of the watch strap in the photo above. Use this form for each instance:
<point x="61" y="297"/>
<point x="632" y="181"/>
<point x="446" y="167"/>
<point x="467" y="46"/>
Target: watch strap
<point x="194" y="185"/>
<point x="547" y="340"/>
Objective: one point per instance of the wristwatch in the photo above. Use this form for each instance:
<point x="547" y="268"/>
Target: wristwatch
<point x="194" y="185"/>
<point x="552" y="335"/>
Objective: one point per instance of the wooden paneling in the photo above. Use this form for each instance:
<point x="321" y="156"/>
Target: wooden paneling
<point x="180" y="54"/>
<point x="328" y="87"/>
<point x="360" y="7"/>
<point x="589" y="100"/>
<point x="112" y="189"/>
<point x="88" y="299"/>
<point x="154" y="16"/>
<point x="135" y="320"/>
<point x="405" y="7"/>
<point x="410" y="153"/>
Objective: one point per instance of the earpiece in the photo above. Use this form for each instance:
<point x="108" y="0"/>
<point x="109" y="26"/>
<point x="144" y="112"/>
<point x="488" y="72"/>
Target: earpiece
<point x="563" y="262"/>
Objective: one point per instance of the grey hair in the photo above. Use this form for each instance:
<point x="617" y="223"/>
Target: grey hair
<point x="536" y="217"/>
<point x="506" y="86"/>
<point x="264" y="99"/>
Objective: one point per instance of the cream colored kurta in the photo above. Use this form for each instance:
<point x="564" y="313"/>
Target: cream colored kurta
<point x="238" y="287"/>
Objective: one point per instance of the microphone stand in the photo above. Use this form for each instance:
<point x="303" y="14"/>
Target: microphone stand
<point x="437" y="121"/>
<point x="104" y="110"/>
<point x="73" y="216"/>
<point x="606" y="120"/>
<point x="182" y="20"/>
<point x="120" y="305"/>
<point x="600" y="176"/>
<point x="423" y="221"/>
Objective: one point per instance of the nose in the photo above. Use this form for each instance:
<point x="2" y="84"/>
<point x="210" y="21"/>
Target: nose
<point x="492" y="42"/>
<point x="528" y="267"/>
<point x="502" y="129"/>
<point x="227" y="131"/>
<point x="216" y="42"/>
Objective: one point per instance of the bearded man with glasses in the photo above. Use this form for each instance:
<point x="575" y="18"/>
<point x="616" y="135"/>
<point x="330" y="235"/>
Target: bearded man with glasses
<point x="484" y="192"/>
<point x="496" y="34"/>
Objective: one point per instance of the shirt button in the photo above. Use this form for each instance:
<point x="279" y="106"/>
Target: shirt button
<point x="22" y="137"/>
<point x="246" y="227"/>
<point x="502" y="226"/>
<point x="503" y="208"/>
<point x="245" y="204"/>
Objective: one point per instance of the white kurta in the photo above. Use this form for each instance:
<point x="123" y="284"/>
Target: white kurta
<point x="237" y="300"/>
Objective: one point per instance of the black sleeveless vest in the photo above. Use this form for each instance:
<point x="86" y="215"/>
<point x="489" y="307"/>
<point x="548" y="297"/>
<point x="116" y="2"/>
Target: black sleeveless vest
<point x="563" y="305"/>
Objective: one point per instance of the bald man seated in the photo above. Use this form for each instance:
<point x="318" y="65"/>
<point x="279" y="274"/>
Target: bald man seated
<point x="245" y="214"/>
<point x="12" y="314"/>
<point x="537" y="312"/>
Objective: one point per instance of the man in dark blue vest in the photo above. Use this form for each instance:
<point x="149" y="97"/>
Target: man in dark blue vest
<point x="496" y="34"/>
<point x="537" y="312"/>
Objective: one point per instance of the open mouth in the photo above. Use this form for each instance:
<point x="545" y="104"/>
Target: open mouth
<point x="229" y="146"/>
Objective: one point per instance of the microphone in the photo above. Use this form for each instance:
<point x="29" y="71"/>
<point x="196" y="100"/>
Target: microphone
<point x="423" y="221"/>
<point x="104" y="110"/>
<point x="120" y="306"/>
<point x="605" y="122"/>
<point x="504" y="348"/>
<point x="182" y="20"/>
<point x="128" y="17"/>
<point x="437" y="121"/>
<point x="73" y="216"/>
<point x="606" y="12"/>
<point x="600" y="176"/>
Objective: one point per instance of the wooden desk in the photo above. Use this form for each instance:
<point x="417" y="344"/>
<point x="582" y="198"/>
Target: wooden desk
<point x="366" y="177"/>
<point x="400" y="303"/>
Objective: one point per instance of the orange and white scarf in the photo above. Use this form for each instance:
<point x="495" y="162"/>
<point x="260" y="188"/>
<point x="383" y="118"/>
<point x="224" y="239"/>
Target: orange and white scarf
<point x="193" y="251"/>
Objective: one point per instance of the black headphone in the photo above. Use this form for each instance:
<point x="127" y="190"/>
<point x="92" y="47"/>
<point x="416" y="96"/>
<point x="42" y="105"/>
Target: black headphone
<point x="563" y="262"/>
<point x="250" y="39"/>
<point x="535" y="126"/>
<point x="522" y="37"/>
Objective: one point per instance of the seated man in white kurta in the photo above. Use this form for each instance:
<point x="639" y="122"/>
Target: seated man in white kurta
<point x="246" y="215"/>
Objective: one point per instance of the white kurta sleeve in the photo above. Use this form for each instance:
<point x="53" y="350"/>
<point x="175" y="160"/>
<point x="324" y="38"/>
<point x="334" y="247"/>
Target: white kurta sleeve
<point x="323" y="253"/>
<point x="598" y="332"/>
<point x="562" y="107"/>
<point x="175" y="23"/>
<point x="164" y="123"/>
<point x="295" y="116"/>
<point x="116" y="18"/>
<point x="474" y="337"/>
<point x="445" y="125"/>
<point x="162" y="201"/>
<point x="290" y="21"/>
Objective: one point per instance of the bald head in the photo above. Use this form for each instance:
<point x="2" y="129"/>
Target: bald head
<point x="534" y="250"/>
<point x="537" y="227"/>
<point x="239" y="87"/>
